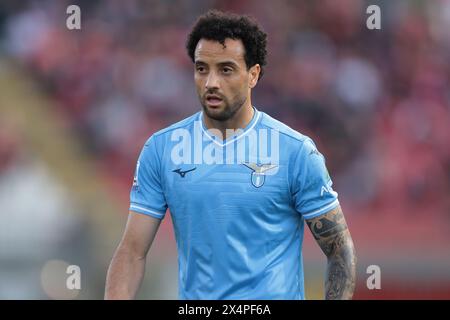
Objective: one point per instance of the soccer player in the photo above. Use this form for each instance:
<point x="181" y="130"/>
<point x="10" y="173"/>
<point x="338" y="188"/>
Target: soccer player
<point x="238" y="183"/>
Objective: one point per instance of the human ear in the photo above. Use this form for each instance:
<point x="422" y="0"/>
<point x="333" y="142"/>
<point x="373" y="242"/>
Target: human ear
<point x="254" y="75"/>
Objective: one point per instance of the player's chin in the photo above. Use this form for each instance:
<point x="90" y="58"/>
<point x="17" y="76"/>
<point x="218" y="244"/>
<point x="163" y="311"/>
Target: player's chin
<point x="216" y="112"/>
<point x="217" y="106"/>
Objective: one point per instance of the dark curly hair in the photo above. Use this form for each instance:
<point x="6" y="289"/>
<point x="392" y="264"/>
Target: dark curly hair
<point x="216" y="25"/>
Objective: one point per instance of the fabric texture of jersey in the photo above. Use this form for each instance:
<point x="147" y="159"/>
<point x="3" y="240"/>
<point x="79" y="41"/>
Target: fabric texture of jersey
<point x="238" y="206"/>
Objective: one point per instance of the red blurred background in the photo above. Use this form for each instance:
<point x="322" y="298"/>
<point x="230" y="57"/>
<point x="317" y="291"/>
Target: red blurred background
<point x="77" y="106"/>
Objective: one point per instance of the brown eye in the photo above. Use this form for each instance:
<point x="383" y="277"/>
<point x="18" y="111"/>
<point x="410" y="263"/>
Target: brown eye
<point x="227" y="70"/>
<point x="200" y="69"/>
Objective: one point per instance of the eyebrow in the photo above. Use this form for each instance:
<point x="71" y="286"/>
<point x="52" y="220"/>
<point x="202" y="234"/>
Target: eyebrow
<point x="222" y="63"/>
<point x="228" y="63"/>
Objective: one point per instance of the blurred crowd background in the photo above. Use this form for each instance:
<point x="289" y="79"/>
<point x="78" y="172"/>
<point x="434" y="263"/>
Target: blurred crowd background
<point x="76" y="107"/>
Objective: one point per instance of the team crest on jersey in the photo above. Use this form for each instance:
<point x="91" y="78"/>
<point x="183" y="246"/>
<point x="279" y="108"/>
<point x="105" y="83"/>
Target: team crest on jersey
<point x="258" y="176"/>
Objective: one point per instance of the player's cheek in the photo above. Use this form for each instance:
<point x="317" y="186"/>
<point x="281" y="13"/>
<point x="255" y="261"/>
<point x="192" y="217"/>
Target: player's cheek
<point x="199" y="82"/>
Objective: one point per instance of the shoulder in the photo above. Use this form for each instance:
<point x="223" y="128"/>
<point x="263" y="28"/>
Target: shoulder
<point x="155" y="145"/>
<point x="183" y="124"/>
<point x="289" y="136"/>
<point x="165" y="132"/>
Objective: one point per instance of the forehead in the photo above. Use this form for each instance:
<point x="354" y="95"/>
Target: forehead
<point x="211" y="51"/>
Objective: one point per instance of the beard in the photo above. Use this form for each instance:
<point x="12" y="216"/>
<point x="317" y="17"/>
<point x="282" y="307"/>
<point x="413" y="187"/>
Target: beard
<point x="225" y="112"/>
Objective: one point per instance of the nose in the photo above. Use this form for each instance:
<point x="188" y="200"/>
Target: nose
<point x="212" y="81"/>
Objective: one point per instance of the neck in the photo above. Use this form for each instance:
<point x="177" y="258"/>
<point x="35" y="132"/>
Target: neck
<point x="239" y="120"/>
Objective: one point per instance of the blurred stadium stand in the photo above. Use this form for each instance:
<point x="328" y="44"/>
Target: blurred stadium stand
<point x="77" y="106"/>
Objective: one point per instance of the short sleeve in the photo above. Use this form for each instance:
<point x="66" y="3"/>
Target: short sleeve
<point x="312" y="190"/>
<point x="147" y="196"/>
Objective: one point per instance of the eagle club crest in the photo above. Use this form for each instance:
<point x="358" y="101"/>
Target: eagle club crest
<point x="258" y="172"/>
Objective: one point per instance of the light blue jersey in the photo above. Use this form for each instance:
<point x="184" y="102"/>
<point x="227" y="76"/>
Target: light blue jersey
<point x="238" y="206"/>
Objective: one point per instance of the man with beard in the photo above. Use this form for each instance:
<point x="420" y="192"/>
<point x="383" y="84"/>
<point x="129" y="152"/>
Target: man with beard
<point x="239" y="186"/>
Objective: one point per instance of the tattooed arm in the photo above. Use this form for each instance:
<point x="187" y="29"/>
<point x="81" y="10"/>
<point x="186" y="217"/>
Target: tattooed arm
<point x="331" y="233"/>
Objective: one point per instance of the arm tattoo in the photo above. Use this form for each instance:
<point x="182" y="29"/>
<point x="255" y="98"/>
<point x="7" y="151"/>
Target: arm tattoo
<point x="331" y="233"/>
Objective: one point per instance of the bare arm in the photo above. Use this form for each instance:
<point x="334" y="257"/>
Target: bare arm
<point x="127" y="267"/>
<point x="331" y="233"/>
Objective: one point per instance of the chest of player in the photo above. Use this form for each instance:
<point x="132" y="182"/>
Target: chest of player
<point x="217" y="185"/>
